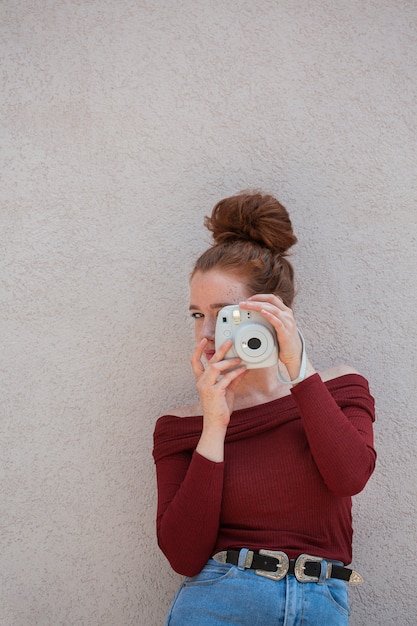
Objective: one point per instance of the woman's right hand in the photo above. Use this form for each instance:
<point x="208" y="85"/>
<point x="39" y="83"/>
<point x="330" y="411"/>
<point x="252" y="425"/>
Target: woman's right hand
<point x="215" y="384"/>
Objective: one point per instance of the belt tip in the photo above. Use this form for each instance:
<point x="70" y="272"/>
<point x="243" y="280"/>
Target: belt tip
<point x="355" y="578"/>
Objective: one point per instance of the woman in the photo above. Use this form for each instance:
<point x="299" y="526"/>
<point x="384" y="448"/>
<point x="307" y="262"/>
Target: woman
<point x="255" y="480"/>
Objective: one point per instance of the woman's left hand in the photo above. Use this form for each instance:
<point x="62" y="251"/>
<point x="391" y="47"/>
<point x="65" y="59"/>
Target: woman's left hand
<point x="282" y="319"/>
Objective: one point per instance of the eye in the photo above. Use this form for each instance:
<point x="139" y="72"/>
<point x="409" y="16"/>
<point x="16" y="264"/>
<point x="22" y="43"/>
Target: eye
<point x="197" y="316"/>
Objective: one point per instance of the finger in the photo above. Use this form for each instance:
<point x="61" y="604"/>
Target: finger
<point x="284" y="323"/>
<point x="220" y="370"/>
<point x="221" y="351"/>
<point x="196" y="363"/>
<point x="231" y="376"/>
<point x="275" y="312"/>
<point x="254" y="302"/>
<point x="271" y="304"/>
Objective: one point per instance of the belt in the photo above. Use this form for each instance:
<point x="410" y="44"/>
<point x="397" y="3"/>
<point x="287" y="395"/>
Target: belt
<point x="276" y="565"/>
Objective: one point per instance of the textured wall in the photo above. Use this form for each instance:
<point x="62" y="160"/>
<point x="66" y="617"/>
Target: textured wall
<point x="121" y="124"/>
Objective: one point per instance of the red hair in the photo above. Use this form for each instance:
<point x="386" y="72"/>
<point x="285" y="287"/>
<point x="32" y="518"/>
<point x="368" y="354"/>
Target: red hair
<point x="252" y="234"/>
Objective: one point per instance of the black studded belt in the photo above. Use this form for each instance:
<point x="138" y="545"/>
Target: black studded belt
<point x="276" y="565"/>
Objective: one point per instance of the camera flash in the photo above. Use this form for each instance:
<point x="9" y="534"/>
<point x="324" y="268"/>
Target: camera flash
<point x="236" y="316"/>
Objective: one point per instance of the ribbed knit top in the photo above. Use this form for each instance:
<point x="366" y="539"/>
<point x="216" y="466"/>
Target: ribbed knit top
<point x="291" y="466"/>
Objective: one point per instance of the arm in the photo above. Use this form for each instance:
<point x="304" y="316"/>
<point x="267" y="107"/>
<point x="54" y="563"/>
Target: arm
<point x="340" y="439"/>
<point x="190" y="489"/>
<point x="189" y="501"/>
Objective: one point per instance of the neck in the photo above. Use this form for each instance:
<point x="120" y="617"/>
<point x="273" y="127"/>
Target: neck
<point x="259" y="386"/>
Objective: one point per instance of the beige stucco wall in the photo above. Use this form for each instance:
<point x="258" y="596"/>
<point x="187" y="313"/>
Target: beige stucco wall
<point x="121" y="124"/>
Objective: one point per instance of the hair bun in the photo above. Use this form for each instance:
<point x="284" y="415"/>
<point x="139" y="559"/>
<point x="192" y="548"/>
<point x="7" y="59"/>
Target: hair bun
<point x="252" y="216"/>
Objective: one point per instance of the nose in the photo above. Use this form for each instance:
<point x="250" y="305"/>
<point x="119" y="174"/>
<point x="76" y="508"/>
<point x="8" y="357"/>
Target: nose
<point x="208" y="328"/>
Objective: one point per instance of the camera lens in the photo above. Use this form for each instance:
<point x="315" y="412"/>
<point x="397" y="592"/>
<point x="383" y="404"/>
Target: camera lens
<point x="254" y="343"/>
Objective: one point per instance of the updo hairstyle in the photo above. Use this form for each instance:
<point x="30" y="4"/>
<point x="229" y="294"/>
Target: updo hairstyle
<point x="252" y="234"/>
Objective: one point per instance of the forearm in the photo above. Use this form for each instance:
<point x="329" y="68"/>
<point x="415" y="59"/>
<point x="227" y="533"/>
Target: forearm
<point x="189" y="512"/>
<point x="211" y="443"/>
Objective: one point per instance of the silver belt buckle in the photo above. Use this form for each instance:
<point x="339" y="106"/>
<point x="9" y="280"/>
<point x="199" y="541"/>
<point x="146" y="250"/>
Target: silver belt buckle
<point x="299" y="568"/>
<point x="282" y="565"/>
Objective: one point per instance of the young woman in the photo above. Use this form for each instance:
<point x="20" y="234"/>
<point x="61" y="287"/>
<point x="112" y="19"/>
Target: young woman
<point x="255" y="481"/>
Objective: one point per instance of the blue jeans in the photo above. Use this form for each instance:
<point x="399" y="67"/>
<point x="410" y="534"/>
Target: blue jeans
<point x="222" y="595"/>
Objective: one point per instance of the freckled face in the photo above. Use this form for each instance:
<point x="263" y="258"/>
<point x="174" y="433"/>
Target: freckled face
<point x="209" y="292"/>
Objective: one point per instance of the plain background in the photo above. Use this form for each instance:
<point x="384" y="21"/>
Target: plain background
<point x="122" y="123"/>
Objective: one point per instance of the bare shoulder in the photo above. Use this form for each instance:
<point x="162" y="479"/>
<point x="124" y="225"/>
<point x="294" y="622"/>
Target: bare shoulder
<point x="185" y="411"/>
<point x="336" y="371"/>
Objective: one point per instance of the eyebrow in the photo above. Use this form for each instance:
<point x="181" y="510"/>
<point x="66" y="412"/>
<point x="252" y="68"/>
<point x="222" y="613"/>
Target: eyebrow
<point x="215" y="305"/>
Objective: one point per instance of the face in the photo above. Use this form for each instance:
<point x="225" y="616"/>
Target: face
<point x="209" y="292"/>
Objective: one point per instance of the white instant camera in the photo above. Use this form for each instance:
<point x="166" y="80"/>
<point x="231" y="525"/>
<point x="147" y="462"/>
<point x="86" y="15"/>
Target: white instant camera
<point x="254" y="338"/>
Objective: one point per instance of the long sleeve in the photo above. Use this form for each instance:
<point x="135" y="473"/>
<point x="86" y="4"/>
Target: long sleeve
<point x="291" y="466"/>
<point x="189" y="502"/>
<point x="340" y="437"/>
